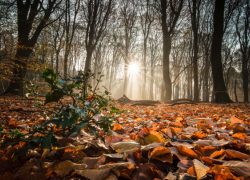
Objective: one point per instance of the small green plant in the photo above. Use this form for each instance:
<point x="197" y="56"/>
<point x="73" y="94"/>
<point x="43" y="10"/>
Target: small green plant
<point x="70" y="117"/>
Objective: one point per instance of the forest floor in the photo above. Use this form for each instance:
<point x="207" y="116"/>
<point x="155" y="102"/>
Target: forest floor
<point x="183" y="141"/>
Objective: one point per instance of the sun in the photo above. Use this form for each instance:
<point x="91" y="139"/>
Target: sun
<point x="133" y="68"/>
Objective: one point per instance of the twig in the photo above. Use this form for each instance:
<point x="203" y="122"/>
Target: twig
<point x="178" y="140"/>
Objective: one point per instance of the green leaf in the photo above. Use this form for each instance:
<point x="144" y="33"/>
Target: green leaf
<point x="55" y="96"/>
<point x="1" y="130"/>
<point x="50" y="76"/>
<point x="36" y="140"/>
<point x="77" y="128"/>
<point x="93" y="130"/>
<point x="46" y="143"/>
<point x="106" y="92"/>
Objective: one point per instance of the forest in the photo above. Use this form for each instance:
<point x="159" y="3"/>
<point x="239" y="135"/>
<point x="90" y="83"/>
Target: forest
<point x="157" y="50"/>
<point x="125" y="89"/>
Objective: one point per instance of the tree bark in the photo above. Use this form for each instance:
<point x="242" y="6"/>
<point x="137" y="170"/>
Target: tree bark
<point x="166" y="75"/>
<point x="235" y="87"/>
<point x="220" y="90"/>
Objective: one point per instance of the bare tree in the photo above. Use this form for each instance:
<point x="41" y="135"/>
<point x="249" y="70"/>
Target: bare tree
<point x="243" y="33"/>
<point x="194" y="8"/>
<point x="147" y="17"/>
<point x="97" y="13"/>
<point x="128" y="13"/>
<point x="27" y="36"/>
<point x="220" y="26"/>
<point x="168" y="22"/>
<point x="69" y="35"/>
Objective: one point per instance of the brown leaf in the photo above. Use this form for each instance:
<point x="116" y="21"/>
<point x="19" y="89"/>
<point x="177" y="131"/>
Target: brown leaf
<point x="240" y="168"/>
<point x="178" y="154"/>
<point x="203" y="142"/>
<point x="185" y="164"/>
<point x="232" y="154"/>
<point x="92" y="162"/>
<point x="111" y="177"/>
<point x="7" y="176"/>
<point x="163" y="154"/>
<point x="24" y="172"/>
<point x="121" y="147"/>
<point x="94" y="174"/>
<point x="170" y="176"/>
<point x="176" y="143"/>
<point x="120" y="166"/>
<point x="200" y="169"/>
<point x="219" y="143"/>
<point x="145" y="172"/>
<point x="65" y="167"/>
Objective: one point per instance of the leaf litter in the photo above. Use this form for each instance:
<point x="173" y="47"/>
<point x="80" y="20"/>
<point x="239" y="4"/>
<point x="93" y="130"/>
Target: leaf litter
<point x="201" y="141"/>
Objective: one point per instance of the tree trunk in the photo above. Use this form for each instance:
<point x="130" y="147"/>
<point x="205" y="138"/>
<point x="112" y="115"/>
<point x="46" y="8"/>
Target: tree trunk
<point x="220" y="90"/>
<point x="195" y="66"/>
<point x="88" y="60"/>
<point x="65" y="69"/>
<point x="144" y="68"/>
<point x="245" y="77"/>
<point x="166" y="75"/>
<point x="16" y="82"/>
<point x="235" y="93"/>
<point x="206" y="73"/>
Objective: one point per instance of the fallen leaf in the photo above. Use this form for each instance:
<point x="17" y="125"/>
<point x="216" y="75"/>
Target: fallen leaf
<point x="94" y="174"/>
<point x="200" y="169"/>
<point x="118" y="128"/>
<point x="240" y="168"/>
<point x="187" y="152"/>
<point x="235" y="120"/>
<point x="191" y="171"/>
<point x="121" y="147"/>
<point x="65" y="167"/>
<point x="163" y="154"/>
<point x="154" y="137"/>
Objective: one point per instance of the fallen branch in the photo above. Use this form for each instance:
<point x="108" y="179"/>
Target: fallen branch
<point x="142" y="104"/>
<point x="124" y="99"/>
<point x="177" y="100"/>
<point x="178" y="103"/>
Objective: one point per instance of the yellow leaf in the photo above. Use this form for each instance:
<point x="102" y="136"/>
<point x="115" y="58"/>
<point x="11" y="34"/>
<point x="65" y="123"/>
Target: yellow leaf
<point x="154" y="137"/>
<point x="45" y="153"/>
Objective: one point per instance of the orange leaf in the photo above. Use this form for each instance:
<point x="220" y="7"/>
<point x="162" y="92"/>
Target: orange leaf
<point x="163" y="154"/>
<point x="191" y="171"/>
<point x="235" y="120"/>
<point x="231" y="154"/>
<point x="241" y="136"/>
<point x="13" y="123"/>
<point x="187" y="152"/>
<point x="217" y="154"/>
<point x="154" y="137"/>
<point x="199" y="135"/>
<point x="118" y="128"/>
